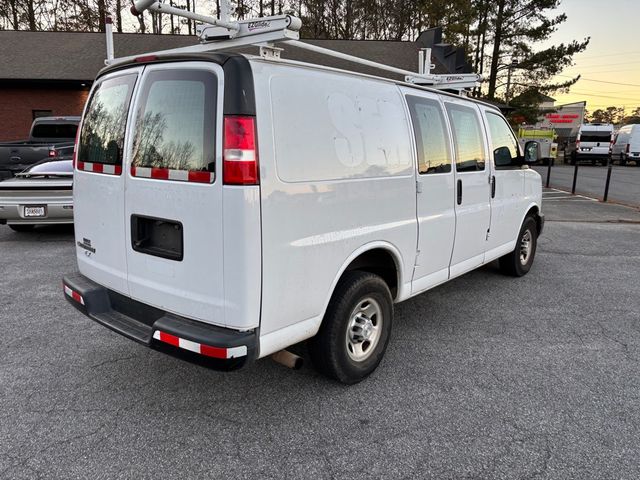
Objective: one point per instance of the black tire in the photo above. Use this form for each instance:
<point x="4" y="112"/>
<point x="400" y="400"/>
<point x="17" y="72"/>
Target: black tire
<point x="330" y="350"/>
<point x="572" y="159"/>
<point x="623" y="160"/>
<point x="511" y="264"/>
<point x="21" y="228"/>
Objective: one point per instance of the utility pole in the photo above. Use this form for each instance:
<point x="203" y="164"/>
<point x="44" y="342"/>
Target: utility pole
<point x="507" y="95"/>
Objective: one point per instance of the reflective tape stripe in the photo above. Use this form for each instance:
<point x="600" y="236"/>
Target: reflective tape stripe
<point x="99" y="168"/>
<point x="194" y="176"/>
<point x="207" y="350"/>
<point x="73" y="294"/>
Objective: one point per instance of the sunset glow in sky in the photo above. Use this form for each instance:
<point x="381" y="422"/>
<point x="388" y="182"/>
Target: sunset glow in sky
<point x="612" y="57"/>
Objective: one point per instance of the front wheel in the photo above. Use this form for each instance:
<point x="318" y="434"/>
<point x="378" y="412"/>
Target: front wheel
<point x="518" y="262"/>
<point x="355" y="330"/>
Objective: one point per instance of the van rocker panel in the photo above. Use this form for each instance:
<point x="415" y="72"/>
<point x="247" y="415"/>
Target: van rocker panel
<point x="143" y="324"/>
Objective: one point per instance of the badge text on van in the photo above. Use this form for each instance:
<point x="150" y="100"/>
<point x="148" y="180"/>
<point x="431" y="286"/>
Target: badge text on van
<point x="86" y="244"/>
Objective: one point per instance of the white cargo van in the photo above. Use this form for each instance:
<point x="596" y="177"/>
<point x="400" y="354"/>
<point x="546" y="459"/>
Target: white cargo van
<point x="229" y="206"/>
<point x="626" y="146"/>
<point x="593" y="144"/>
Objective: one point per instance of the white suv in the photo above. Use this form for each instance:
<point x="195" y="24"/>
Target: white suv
<point x="229" y="206"/>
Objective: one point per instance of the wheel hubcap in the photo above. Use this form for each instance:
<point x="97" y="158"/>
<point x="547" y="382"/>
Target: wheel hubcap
<point x="363" y="332"/>
<point x="525" y="247"/>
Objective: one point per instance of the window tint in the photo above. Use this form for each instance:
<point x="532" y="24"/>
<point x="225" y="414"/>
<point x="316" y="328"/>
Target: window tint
<point x="503" y="143"/>
<point x="102" y="137"/>
<point x="431" y="133"/>
<point x="55" y="130"/>
<point x="595" y="137"/>
<point x="175" y="125"/>
<point x="468" y="138"/>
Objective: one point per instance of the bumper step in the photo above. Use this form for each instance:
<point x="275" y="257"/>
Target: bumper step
<point x="197" y="342"/>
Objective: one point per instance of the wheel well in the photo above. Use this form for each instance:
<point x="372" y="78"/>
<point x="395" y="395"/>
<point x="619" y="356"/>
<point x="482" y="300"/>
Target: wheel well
<point x="533" y="212"/>
<point x="380" y="262"/>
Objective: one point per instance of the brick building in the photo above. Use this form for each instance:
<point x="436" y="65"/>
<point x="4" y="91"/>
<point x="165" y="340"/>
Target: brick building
<point x="50" y="73"/>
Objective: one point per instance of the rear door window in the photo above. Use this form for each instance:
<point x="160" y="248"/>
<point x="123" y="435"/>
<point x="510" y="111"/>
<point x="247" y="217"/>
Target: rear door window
<point x="467" y="134"/>
<point x="175" y="125"/>
<point x="595" y="137"/>
<point x="103" y="127"/>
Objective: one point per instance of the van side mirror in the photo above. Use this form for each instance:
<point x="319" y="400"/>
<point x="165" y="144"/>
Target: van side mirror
<point x="531" y="152"/>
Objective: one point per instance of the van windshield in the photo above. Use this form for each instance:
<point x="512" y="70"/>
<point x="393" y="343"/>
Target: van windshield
<point x="595" y="137"/>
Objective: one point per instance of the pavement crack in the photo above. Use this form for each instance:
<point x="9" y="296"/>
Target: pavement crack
<point x="114" y="360"/>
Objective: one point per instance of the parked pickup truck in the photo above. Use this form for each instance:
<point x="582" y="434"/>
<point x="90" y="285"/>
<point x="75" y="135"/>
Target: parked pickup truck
<point x="46" y="136"/>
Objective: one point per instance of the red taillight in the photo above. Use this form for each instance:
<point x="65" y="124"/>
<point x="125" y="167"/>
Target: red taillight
<point x="53" y="152"/>
<point x="240" y="156"/>
<point x="75" y="148"/>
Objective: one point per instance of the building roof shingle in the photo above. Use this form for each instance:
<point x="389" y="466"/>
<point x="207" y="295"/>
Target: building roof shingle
<point x="79" y="56"/>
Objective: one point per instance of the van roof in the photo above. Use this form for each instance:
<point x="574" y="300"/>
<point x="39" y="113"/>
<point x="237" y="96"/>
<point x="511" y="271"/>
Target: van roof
<point x="221" y="57"/>
<point x="597" y="127"/>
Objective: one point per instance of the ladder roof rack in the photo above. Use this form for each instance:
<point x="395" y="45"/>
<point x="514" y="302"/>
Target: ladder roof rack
<point x="264" y="32"/>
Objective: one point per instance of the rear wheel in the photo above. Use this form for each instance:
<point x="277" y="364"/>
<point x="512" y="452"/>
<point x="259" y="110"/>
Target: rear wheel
<point x="355" y="330"/>
<point x="21" y="228"/>
<point x="518" y="262"/>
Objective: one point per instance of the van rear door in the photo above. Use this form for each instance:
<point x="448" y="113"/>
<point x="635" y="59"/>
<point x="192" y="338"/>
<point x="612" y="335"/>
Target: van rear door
<point x="99" y="182"/>
<point x="173" y="200"/>
<point x="595" y="140"/>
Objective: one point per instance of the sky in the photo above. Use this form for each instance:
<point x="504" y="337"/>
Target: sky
<point x="613" y="54"/>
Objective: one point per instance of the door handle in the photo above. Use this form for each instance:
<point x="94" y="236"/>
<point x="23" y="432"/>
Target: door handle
<point x="459" y="192"/>
<point x="493" y="186"/>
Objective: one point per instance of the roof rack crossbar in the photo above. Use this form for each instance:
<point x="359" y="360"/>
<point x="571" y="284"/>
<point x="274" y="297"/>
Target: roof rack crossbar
<point x="216" y="34"/>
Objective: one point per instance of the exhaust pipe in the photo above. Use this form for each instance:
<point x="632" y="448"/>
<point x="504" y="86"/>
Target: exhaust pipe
<point x="288" y="359"/>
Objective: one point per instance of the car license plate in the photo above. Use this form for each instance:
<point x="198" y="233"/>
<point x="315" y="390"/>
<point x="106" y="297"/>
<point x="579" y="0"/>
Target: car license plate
<point x="34" y="211"/>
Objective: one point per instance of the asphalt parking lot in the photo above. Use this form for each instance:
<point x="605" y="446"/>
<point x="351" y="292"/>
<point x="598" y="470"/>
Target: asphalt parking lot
<point x="485" y="377"/>
<point x="624" y="186"/>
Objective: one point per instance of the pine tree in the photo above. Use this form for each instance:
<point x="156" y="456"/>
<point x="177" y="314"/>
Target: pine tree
<point x="517" y="26"/>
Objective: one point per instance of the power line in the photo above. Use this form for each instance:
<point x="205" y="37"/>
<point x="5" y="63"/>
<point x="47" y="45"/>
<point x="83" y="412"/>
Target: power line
<point x="607" y="96"/>
<point x="637" y="69"/>
<point x="634" y="52"/>
<point x="604" y="81"/>
<point x="606" y="64"/>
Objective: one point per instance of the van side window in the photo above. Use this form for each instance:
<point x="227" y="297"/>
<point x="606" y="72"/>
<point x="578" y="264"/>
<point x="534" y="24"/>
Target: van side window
<point x="175" y="123"/>
<point x="432" y="138"/>
<point x="503" y="143"/>
<point x="468" y="138"/>
<point x="102" y="137"/>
